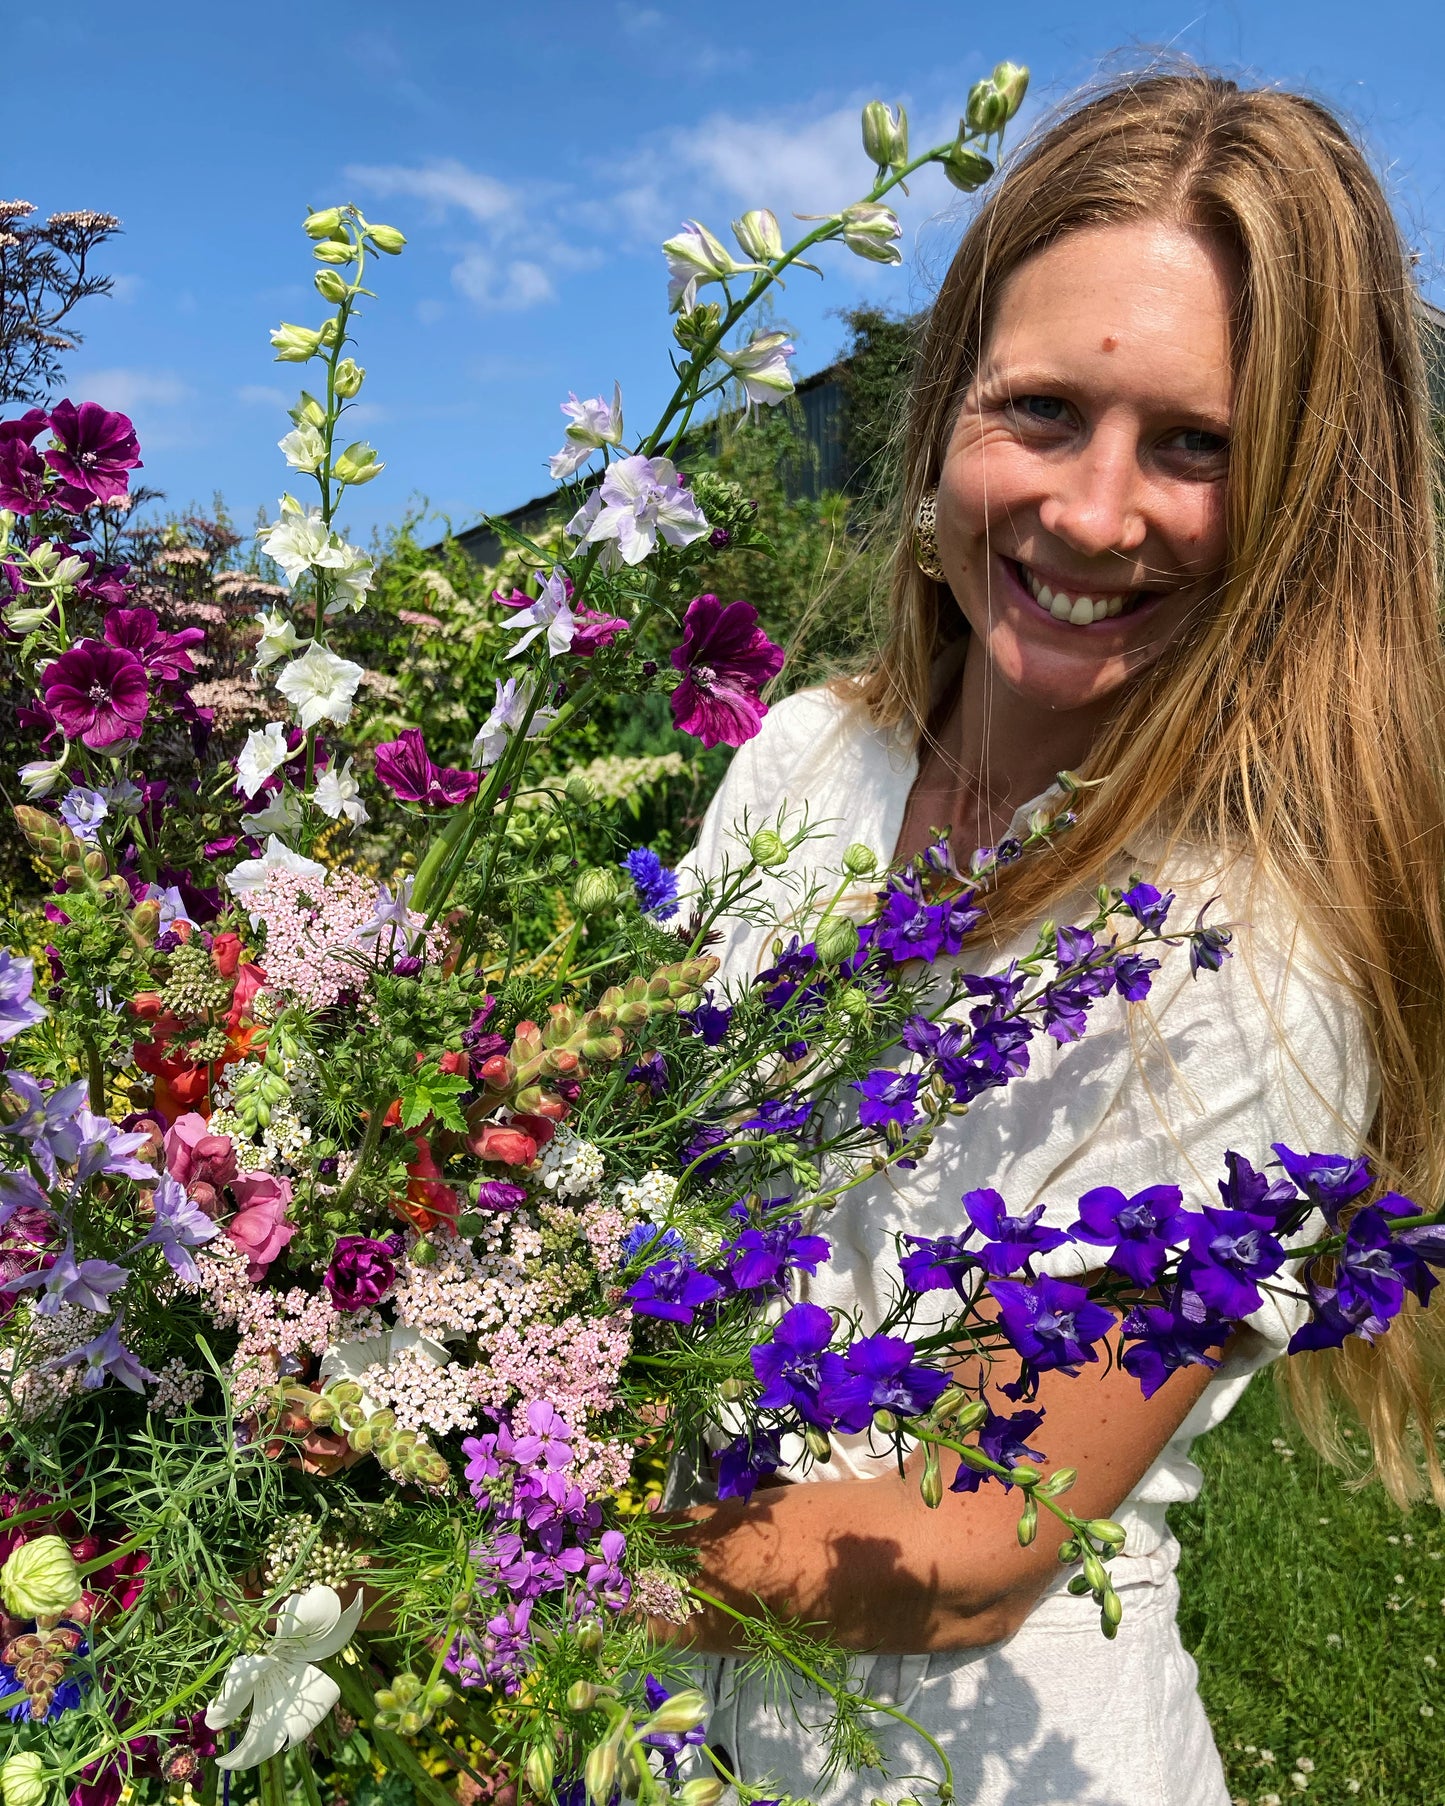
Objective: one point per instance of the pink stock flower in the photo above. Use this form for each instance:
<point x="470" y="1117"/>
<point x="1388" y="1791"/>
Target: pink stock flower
<point x="259" y="1228"/>
<point x="406" y="768"/>
<point x="201" y="1161"/>
<point x="97" y="693"/>
<point x="725" y="659"/>
<point x="92" y="452"/>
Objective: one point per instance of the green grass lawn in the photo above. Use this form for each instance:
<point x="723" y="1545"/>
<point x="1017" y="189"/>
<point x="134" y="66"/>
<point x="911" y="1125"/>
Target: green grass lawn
<point x="1317" y="1618"/>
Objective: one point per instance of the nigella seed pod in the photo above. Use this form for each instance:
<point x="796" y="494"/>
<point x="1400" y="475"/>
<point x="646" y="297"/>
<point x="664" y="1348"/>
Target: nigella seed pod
<point x="768" y="848"/>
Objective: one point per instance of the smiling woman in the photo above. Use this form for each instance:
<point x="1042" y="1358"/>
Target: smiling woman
<point x="1168" y="526"/>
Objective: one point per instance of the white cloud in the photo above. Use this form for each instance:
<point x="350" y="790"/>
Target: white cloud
<point x="638" y="21"/>
<point x="260" y="395"/>
<point x="128" y="390"/>
<point x="507" y="286"/>
<point x="126" y="288"/>
<point x="444" y="184"/>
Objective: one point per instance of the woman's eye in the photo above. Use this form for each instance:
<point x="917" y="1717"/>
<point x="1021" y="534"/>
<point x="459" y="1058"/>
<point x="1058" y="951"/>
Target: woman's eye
<point x="1200" y="444"/>
<point x="1041" y="407"/>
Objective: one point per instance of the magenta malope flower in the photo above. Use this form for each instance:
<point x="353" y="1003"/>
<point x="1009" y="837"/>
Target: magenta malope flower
<point x="164" y="655"/>
<point x="725" y="659"/>
<point x="595" y="632"/>
<point x="406" y="768"/>
<point x="91" y="453"/>
<point x="22" y="469"/>
<point x="97" y="693"/>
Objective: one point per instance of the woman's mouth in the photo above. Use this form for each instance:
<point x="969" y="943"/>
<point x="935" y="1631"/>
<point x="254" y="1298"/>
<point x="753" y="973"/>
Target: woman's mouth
<point x="1076" y="607"/>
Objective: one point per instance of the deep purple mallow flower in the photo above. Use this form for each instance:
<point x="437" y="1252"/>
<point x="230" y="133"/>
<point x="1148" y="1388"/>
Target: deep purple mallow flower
<point x="1137" y="1231"/>
<point x="670" y="1743"/>
<point x="725" y="659"/>
<point x="406" y="769"/>
<point x="97" y="693"/>
<point x="888" y="1097"/>
<point x="1327" y="1180"/>
<point x="651" y="1071"/>
<point x="1229" y="1251"/>
<point x="672" y="1289"/>
<point x="789" y="1367"/>
<point x="91" y="451"/>
<point x="18" y="1011"/>
<point x="22" y="469"/>
<point x="760" y="1257"/>
<point x="1163" y="1340"/>
<point x="1148" y="906"/>
<point x="710" y="1020"/>
<point x="166" y="656"/>
<point x="654" y="882"/>
<point x="1050" y="1322"/>
<point x="1009" y="1243"/>
<point x="361" y="1273"/>
<point x="876" y="1374"/>
<point x="779" y="1116"/>
<point x="745" y="1461"/>
<point x="937" y="1263"/>
<point x="1005" y="1440"/>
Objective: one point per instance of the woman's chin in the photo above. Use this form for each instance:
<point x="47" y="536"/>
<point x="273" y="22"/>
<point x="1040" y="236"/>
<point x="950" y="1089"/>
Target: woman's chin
<point x="1053" y="675"/>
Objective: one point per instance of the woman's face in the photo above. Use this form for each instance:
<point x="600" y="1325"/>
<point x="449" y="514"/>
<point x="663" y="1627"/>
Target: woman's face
<point x="1081" y="504"/>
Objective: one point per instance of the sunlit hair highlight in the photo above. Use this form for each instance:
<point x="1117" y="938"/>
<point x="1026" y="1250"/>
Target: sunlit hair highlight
<point x="1300" y="719"/>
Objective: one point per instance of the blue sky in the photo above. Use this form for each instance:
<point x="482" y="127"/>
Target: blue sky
<point x="536" y="156"/>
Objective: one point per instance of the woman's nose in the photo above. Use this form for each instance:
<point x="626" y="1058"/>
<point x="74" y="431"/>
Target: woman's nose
<point x="1096" y="504"/>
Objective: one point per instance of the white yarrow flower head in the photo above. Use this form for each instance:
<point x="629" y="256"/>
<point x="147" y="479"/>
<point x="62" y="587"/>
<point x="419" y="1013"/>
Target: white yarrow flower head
<point x="338" y="794"/>
<point x="251" y="874"/>
<point x="265" y="752"/>
<point x="508" y="713"/>
<point x="762" y="364"/>
<point x="298" y="540"/>
<point x="303" y="448"/>
<point x="320" y="686"/>
<point x="288" y="1695"/>
<point x="551" y="614"/>
<point x="694" y="257"/>
<point x="638" y="499"/>
<point x="278" y="640"/>
<point x="592" y="424"/>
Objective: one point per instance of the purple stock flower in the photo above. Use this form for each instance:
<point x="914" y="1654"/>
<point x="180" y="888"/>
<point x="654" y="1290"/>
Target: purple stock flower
<point x="876" y="1374"/>
<point x="1137" y="1230"/>
<point x="1005" y="1440"/>
<point x="361" y="1273"/>
<point x="1163" y="1340"/>
<point x="1009" y="1242"/>
<point x="725" y="658"/>
<point x="655" y="883"/>
<point x="179" y="1226"/>
<point x="1327" y="1180"/>
<point x="789" y="1367"/>
<point x="938" y="1263"/>
<point x="97" y="693"/>
<point x="86" y="1284"/>
<point x="92" y="451"/>
<point x="672" y="1289"/>
<point x="107" y="1357"/>
<point x="1148" y="906"/>
<point x="1050" y="1322"/>
<point x="760" y="1257"/>
<point x="1229" y="1251"/>
<point x="779" y="1116"/>
<point x="888" y="1097"/>
<point x="746" y="1460"/>
<point x="709" y="1020"/>
<point x="546" y="1439"/>
<point x="406" y="769"/>
<point x="22" y="469"/>
<point x="18" y="1010"/>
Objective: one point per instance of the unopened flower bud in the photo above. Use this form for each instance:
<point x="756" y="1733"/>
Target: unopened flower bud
<point x="1095" y="1572"/>
<point x="357" y="464"/>
<point x="854" y="1002"/>
<point x="329" y="334"/>
<point x="539" y="1768"/>
<point x="707" y="1790"/>
<point x="387" y="238"/>
<point x="731" y="1389"/>
<point x="768" y="847"/>
<point x="836" y="940"/>
<point x="1105" y="1530"/>
<point x="595" y="892"/>
<point x="1058" y="1482"/>
<point x="885" y="134"/>
<point x="308" y="411"/>
<point x="871" y="230"/>
<point x="759" y="234"/>
<point x="582" y="1696"/>
<point x="349" y="378"/>
<point x="324" y="224"/>
<point x="23" y="1781"/>
<point x="859" y="861"/>
<point x="986" y="110"/>
<point x="294" y="344"/>
<point x="599" y="1771"/>
<point x="329" y="286"/>
<point x="697" y="324"/>
<point x="817" y="1444"/>
<point x="1028" y="1523"/>
<point x="885" y="1423"/>
<point x="931" y="1485"/>
<point x="580" y="790"/>
<point x="40" y="1579"/>
<point x="683" y="1712"/>
<point x="1012" y="81"/>
<point x="966" y="168"/>
<point x="1111" y="1612"/>
<point x="334" y="250"/>
<point x="589" y="1636"/>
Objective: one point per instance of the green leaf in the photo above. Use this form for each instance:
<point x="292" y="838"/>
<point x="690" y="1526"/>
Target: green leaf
<point x="431" y="1092"/>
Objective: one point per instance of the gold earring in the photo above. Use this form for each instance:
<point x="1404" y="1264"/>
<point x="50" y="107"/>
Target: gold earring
<point x="925" y="537"/>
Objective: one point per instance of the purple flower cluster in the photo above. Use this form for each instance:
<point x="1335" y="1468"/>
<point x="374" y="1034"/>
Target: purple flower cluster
<point x="92" y="451"/>
<point x="655" y="883"/>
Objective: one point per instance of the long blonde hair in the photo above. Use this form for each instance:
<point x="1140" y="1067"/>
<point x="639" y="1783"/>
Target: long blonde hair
<point x="1302" y="717"/>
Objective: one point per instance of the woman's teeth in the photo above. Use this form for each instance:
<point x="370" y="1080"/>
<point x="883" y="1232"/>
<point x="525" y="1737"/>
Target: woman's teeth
<point x="1079" y="611"/>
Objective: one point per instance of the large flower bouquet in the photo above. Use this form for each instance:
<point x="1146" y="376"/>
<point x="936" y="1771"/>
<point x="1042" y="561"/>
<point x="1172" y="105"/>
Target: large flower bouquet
<point x="366" y="1258"/>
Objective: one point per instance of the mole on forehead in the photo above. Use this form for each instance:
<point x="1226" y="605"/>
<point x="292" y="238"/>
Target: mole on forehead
<point x="1108" y="342"/>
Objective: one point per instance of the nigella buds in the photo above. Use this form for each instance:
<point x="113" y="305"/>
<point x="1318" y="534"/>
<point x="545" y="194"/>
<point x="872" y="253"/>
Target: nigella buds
<point x="768" y="848"/>
<point x="23" y="1780"/>
<point x="885" y="134"/>
<point x="595" y="892"/>
<point x="40" y="1579"/>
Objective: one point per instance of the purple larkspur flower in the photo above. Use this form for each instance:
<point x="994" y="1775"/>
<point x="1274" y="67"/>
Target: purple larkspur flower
<point x="1132" y="976"/>
<point x="106" y="1152"/>
<point x="1136" y="1230"/>
<point x="360" y="1274"/>
<point x="18" y="1009"/>
<point x="91" y="454"/>
<point x="762" y="1256"/>
<point x="178" y="1227"/>
<point x="670" y="1744"/>
<point x="1003" y="1439"/>
<point x="651" y="1070"/>
<point x="709" y="1020"/>
<point x="1009" y="1243"/>
<point x="672" y="1289"/>
<point x="48" y="1122"/>
<point x="1229" y="1252"/>
<point x="83" y="811"/>
<point x="1148" y="906"/>
<point x="786" y="981"/>
<point x="406" y="769"/>
<point x="1208" y="946"/>
<point x="1162" y="1340"/>
<point x="85" y="1284"/>
<point x="706" y="1137"/>
<point x="107" y="1357"/>
<point x="938" y="1263"/>
<point x="907" y="928"/>
<point x="888" y="1097"/>
<point x="97" y="693"/>
<point x="779" y="1116"/>
<point x="1050" y="1322"/>
<point x="877" y="1373"/>
<point x="22" y="469"/>
<point x="725" y="658"/>
<point x="655" y="883"/>
<point x="1327" y="1180"/>
<point x="746" y="1460"/>
<point x="166" y="656"/>
<point x="789" y="1366"/>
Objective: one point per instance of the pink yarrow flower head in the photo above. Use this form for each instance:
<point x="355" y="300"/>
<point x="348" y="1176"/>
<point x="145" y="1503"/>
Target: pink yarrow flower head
<point x="22" y="469"/>
<point x="259" y="1227"/>
<point x="406" y="768"/>
<point x="725" y="658"/>
<point x="92" y="452"/>
<point x="97" y="693"/>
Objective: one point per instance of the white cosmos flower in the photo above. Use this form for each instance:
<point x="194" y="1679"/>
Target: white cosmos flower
<point x="251" y="874"/>
<point x="303" y="448"/>
<point x="265" y="751"/>
<point x="278" y="640"/>
<point x="320" y="686"/>
<point x="287" y="1694"/>
<point x="338" y="794"/>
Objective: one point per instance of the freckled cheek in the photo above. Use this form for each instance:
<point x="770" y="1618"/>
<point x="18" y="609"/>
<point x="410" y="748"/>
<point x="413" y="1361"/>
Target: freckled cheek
<point x="982" y="486"/>
<point x="1199" y="527"/>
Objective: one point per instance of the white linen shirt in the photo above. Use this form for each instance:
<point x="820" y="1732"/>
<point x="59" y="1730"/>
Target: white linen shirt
<point x="1270" y="1048"/>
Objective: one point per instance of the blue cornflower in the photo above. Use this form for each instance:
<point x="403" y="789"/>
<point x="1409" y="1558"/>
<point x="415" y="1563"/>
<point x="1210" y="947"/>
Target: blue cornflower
<point x="655" y="1240"/>
<point x="654" y="882"/>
